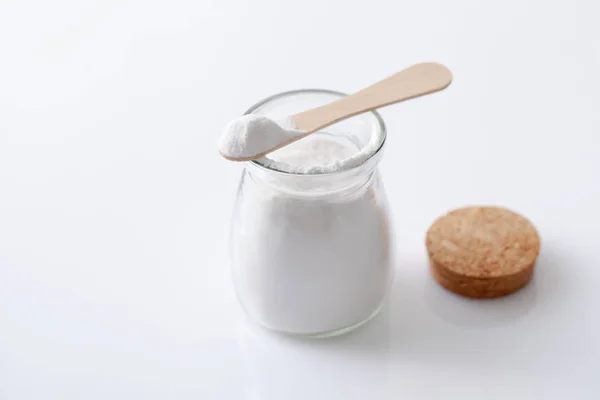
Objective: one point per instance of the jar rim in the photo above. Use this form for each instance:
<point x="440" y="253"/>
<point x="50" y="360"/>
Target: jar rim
<point x="379" y="123"/>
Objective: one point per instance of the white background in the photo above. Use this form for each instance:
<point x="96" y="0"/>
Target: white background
<point x="114" y="205"/>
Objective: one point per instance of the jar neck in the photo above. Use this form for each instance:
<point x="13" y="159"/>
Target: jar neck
<point x="316" y="185"/>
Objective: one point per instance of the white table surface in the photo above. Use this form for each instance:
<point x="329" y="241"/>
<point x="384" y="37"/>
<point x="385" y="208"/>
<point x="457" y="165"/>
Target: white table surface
<point x="114" y="205"/>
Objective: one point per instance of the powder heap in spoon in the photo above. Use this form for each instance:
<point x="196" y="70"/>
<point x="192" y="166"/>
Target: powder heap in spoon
<point x="252" y="136"/>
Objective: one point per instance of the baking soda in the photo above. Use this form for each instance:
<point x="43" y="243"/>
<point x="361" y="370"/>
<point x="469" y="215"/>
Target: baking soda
<point x="252" y="136"/>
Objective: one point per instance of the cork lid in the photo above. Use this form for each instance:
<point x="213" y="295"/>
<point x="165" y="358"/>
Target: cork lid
<point x="482" y="243"/>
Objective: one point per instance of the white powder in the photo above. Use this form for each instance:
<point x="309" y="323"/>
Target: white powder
<point x="250" y="136"/>
<point x="316" y="260"/>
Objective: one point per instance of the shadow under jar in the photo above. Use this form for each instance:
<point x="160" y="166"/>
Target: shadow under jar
<point x="312" y="252"/>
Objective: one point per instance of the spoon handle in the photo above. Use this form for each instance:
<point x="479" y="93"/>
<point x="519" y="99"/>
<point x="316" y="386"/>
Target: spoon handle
<point x="415" y="81"/>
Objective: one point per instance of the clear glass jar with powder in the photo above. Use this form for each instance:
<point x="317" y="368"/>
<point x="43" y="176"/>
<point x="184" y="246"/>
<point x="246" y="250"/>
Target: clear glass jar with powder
<point x="311" y="251"/>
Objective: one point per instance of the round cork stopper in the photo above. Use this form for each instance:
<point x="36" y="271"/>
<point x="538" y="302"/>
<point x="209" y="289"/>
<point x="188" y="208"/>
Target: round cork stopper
<point x="482" y="252"/>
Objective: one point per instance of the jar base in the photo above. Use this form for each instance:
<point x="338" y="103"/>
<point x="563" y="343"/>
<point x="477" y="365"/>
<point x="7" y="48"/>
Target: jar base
<point x="325" y="334"/>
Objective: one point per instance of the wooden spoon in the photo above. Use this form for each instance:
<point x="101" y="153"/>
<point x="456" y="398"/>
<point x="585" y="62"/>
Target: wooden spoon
<point x="418" y="80"/>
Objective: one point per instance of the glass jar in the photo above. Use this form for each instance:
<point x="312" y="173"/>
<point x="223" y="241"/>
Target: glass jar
<point x="312" y="253"/>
